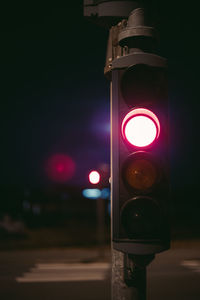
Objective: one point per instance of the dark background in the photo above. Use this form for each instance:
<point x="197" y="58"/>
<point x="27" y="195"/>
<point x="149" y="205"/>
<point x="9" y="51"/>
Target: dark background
<point x="55" y="100"/>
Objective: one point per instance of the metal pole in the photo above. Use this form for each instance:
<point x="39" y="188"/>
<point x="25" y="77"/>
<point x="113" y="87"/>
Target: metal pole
<point x="100" y="226"/>
<point x="129" y="275"/>
<point x="120" y="290"/>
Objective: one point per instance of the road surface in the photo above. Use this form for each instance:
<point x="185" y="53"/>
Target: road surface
<point x="80" y="274"/>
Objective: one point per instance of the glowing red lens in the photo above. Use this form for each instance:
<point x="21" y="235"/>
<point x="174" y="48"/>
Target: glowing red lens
<point x="140" y="127"/>
<point x="94" y="177"/>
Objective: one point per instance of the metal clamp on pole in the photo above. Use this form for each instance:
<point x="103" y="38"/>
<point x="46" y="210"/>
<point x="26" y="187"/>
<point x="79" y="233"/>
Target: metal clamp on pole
<point x="135" y="271"/>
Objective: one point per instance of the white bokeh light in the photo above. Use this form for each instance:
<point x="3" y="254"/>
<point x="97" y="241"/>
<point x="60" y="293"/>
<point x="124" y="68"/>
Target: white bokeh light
<point x="94" y="177"/>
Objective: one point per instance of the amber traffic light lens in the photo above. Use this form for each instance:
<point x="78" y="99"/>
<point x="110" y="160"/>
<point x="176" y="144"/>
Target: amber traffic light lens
<point x="140" y="174"/>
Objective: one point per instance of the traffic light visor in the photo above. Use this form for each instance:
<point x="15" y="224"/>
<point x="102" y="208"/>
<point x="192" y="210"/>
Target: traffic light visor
<point x="140" y="127"/>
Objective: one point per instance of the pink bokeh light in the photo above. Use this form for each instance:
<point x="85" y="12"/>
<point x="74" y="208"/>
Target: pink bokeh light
<point x="60" y="168"/>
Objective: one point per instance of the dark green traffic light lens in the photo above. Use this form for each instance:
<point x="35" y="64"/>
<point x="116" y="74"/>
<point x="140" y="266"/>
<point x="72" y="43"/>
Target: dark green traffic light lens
<point x="141" y="218"/>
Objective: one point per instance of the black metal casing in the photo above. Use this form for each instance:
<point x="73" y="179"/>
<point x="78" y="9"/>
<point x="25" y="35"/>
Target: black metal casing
<point x="121" y="104"/>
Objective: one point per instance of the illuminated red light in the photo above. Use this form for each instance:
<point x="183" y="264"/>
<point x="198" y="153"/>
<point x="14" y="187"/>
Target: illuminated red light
<point x="140" y="127"/>
<point x="94" y="177"/>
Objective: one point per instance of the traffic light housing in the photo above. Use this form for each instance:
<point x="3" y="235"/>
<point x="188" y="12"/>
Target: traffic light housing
<point x="139" y="154"/>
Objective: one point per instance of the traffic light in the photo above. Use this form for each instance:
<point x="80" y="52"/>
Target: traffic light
<point x="94" y="177"/>
<point x="139" y="154"/>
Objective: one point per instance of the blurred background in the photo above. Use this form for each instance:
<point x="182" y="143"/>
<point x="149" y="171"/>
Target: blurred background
<point x="55" y="122"/>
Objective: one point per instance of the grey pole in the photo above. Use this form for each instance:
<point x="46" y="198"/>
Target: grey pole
<point x="120" y="290"/>
<point x="100" y="226"/>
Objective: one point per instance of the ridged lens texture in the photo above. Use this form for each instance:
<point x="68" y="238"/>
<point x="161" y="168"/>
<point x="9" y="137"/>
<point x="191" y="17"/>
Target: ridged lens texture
<point x="141" y="218"/>
<point x="140" y="174"/>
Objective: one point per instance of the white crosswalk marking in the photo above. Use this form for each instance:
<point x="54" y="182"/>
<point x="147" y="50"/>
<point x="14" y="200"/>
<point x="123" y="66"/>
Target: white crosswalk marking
<point x="193" y="265"/>
<point x="54" y="272"/>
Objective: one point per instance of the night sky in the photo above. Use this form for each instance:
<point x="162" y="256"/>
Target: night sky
<point x="55" y="99"/>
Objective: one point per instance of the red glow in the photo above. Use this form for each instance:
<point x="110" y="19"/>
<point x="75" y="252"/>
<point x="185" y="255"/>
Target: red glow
<point x="140" y="127"/>
<point x="94" y="177"/>
<point x="60" y="167"/>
